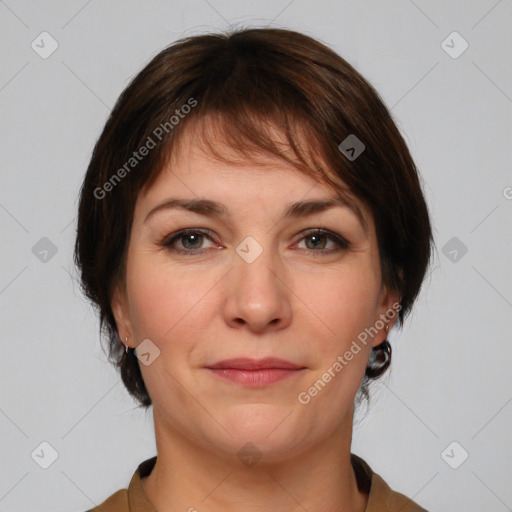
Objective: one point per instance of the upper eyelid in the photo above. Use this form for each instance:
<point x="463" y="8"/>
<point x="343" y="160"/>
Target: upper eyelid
<point x="173" y="237"/>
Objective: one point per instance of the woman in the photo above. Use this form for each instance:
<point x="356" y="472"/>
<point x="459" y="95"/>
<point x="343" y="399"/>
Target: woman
<point x="251" y="226"/>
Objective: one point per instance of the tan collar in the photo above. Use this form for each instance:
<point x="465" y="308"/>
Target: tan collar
<point x="381" y="498"/>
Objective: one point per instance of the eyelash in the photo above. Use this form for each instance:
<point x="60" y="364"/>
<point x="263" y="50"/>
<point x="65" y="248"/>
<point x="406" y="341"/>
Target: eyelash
<point x="169" y="240"/>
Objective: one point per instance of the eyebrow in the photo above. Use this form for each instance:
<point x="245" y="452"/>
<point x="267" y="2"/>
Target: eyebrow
<point x="298" y="209"/>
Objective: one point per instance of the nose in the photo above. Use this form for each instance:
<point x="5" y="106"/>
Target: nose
<point x="257" y="294"/>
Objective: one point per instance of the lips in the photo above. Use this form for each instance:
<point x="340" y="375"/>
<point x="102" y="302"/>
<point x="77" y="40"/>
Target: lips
<point x="255" y="373"/>
<point x="255" y="364"/>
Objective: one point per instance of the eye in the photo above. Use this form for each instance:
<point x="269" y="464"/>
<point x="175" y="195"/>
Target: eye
<point x="190" y="241"/>
<point x="187" y="241"/>
<point x="319" y="238"/>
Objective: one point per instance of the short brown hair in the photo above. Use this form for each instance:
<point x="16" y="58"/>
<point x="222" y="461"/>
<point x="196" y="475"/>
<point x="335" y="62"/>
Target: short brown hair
<point x="245" y="81"/>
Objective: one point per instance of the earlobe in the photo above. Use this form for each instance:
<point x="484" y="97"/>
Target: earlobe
<point x="119" y="308"/>
<point x="388" y="313"/>
<point x="393" y="308"/>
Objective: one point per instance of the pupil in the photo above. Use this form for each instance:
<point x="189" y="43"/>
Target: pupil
<point x="191" y="237"/>
<point x="315" y="237"/>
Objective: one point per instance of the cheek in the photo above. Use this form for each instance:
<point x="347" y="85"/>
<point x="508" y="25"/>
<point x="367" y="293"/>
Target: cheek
<point x="345" y="303"/>
<point x="163" y="302"/>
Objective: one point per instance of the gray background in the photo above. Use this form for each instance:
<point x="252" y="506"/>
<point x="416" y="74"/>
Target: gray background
<point x="451" y="373"/>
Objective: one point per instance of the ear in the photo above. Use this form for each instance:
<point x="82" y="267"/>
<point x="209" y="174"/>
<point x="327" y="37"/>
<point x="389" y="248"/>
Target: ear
<point x="119" y="306"/>
<point x="389" y="307"/>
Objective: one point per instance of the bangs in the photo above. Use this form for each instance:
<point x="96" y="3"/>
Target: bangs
<point x="256" y="101"/>
<point x="245" y="135"/>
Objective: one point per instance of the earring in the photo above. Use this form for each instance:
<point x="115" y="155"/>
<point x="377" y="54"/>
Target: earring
<point x="126" y="345"/>
<point x="380" y="359"/>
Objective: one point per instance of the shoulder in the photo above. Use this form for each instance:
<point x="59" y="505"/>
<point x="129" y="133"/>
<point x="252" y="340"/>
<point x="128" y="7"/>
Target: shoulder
<point x="118" y="502"/>
<point x="392" y="500"/>
<point x="133" y="498"/>
<point x="381" y="498"/>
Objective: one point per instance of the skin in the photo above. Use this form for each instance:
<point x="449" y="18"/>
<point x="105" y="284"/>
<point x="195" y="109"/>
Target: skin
<point x="291" y="302"/>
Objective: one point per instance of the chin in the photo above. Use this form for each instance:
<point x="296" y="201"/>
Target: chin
<point x="265" y="429"/>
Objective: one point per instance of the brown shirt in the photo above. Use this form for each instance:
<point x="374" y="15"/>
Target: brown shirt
<point x="381" y="498"/>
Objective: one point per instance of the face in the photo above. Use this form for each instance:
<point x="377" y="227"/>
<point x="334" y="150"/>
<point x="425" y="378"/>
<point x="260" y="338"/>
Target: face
<point x="246" y="282"/>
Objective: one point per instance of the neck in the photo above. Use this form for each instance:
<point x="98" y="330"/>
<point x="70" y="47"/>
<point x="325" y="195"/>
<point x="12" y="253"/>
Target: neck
<point x="187" y="477"/>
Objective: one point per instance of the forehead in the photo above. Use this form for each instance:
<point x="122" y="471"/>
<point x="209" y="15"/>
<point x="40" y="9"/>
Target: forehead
<point x="262" y="181"/>
<point x="204" y="160"/>
<point x="213" y="143"/>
